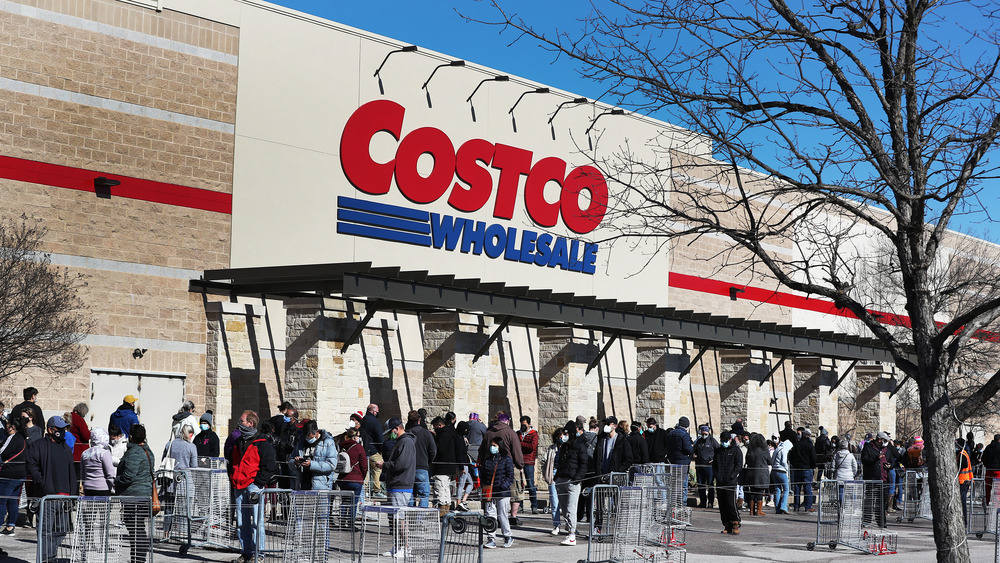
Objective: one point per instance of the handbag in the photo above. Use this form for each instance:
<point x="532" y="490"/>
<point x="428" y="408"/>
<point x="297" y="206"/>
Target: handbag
<point x="488" y="489"/>
<point x="155" y="504"/>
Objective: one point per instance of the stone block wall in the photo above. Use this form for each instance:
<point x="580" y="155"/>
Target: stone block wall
<point x="453" y="379"/>
<point x="743" y="392"/>
<point x="660" y="391"/>
<point x="816" y="402"/>
<point x="565" y="389"/>
<point x="875" y="409"/>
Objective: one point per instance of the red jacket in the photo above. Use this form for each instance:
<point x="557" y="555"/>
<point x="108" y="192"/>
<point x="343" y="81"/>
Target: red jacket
<point x="254" y="465"/>
<point x="359" y="461"/>
<point x="81" y="432"/>
<point x="529" y="445"/>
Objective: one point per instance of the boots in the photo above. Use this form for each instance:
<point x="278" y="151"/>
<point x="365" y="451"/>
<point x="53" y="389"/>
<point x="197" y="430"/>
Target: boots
<point x="729" y="528"/>
<point x="753" y="508"/>
<point x="892" y="508"/>
<point x="735" y="528"/>
<point x="760" y="508"/>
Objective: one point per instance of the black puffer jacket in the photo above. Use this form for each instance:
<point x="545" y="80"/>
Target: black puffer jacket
<point x="640" y="450"/>
<point x="803" y="455"/>
<point x="573" y="460"/>
<point x="727" y="465"/>
<point x="679" y="446"/>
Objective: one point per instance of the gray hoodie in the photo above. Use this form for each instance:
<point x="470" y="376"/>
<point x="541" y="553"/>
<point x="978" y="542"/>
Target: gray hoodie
<point x="779" y="460"/>
<point x="401" y="467"/>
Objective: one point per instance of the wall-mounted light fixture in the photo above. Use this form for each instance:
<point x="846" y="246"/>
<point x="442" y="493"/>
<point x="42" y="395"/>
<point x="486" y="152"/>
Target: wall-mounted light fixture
<point x="102" y="186"/>
<point x="521" y="97"/>
<point x="457" y="63"/>
<point x="590" y="142"/>
<point x="562" y="105"/>
<point x="138" y="353"/>
<point x="406" y="49"/>
<point x="498" y="78"/>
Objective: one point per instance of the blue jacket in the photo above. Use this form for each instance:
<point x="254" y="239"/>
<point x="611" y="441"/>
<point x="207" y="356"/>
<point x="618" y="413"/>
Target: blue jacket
<point x="679" y="446"/>
<point x="124" y="418"/>
<point x="502" y="479"/>
<point x="323" y="460"/>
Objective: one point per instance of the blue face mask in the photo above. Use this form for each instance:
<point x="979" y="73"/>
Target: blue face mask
<point x="287" y="418"/>
<point x="725" y="444"/>
<point x="494" y="450"/>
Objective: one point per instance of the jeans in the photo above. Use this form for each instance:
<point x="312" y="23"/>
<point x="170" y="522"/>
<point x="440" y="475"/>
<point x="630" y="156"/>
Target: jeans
<point x="569" y="495"/>
<point x="780" y="490"/>
<point x="465" y="485"/>
<point x="499" y="508"/>
<point x="529" y="479"/>
<point x="250" y="520"/>
<point x="359" y="490"/>
<point x="963" y="491"/>
<point x="892" y="482"/>
<point x="802" y="479"/>
<point x="706" y="492"/>
<point x="10" y="494"/>
<point x="421" y="489"/>
<point x="554" y="502"/>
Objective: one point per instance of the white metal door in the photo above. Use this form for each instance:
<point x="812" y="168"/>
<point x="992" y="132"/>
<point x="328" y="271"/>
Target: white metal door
<point x="159" y="396"/>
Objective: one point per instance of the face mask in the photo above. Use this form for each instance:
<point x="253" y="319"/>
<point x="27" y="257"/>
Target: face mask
<point x="578" y="434"/>
<point x="564" y="438"/>
<point x="704" y="435"/>
<point x="205" y="426"/>
<point x="524" y="428"/>
<point x="652" y="428"/>
<point x="393" y="434"/>
<point x="312" y="440"/>
<point x="59" y="435"/>
<point x="725" y="444"/>
<point x="494" y="450"/>
<point x="286" y="418"/>
<point x="607" y="429"/>
<point x="246" y="431"/>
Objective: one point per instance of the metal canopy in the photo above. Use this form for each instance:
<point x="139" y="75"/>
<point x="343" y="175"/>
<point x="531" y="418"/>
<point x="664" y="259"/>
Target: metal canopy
<point x="417" y="291"/>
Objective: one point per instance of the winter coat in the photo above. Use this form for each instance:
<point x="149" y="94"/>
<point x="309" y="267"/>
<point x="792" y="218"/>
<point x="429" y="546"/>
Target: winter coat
<point x="254" y="462"/>
<point x="124" y="418"/>
<point x="991" y="456"/>
<point x="572" y="461"/>
<point x="426" y="448"/>
<point x="779" y="459"/>
<point x="323" y="460"/>
<point x="97" y="469"/>
<point x="37" y="417"/>
<point x="371" y="434"/>
<point x="704" y="450"/>
<point x="14" y="456"/>
<point x="81" y="432"/>
<point x="207" y="443"/>
<point x="727" y="465"/>
<point x="135" y="472"/>
<point x="476" y="432"/>
<point x="50" y="467"/>
<point x="679" y="446"/>
<point x="756" y="471"/>
<point x="359" y="461"/>
<point x="640" y="450"/>
<point x="184" y="454"/>
<point x="871" y="462"/>
<point x="549" y="464"/>
<point x="619" y="460"/>
<point x="510" y="441"/>
<point x="497" y="470"/>
<point x="400" y="466"/>
<point x="529" y="445"/>
<point x="657" y="442"/>
<point x="118" y="449"/>
<point x="180" y="420"/>
<point x="446" y="462"/>
<point x="845" y="466"/>
<point x="824" y="449"/>
<point x="803" y="455"/>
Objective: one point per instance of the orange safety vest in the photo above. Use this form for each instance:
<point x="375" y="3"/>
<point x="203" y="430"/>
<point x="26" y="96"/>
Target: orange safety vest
<point x="964" y="468"/>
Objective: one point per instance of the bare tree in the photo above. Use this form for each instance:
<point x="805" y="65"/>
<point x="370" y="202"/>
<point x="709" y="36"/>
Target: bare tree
<point x="836" y="129"/>
<point x="42" y="318"/>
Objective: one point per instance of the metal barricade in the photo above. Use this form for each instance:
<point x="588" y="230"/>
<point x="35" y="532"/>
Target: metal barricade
<point x="644" y="529"/>
<point x="860" y="521"/>
<point x="913" y="486"/>
<point x="198" y="510"/>
<point x="975" y="507"/>
<point x="996" y="538"/>
<point x="94" y="529"/>
<point x="390" y="533"/>
<point x="462" y="536"/>
<point x="827" y="515"/>
<point x="604" y="511"/>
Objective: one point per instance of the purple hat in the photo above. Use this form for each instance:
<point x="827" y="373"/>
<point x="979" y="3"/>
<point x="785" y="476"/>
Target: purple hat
<point x="473" y="416"/>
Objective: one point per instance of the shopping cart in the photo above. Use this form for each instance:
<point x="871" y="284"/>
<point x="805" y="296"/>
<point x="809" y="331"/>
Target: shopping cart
<point x="94" y="529"/>
<point x="604" y="511"/>
<point x="390" y="533"/>
<point x="914" y="481"/>
<point x="827" y="515"/>
<point x="976" y="508"/>
<point x="862" y="519"/>
<point x="200" y="512"/>
<point x="307" y="527"/>
<point x="643" y="532"/>
<point x="462" y="536"/>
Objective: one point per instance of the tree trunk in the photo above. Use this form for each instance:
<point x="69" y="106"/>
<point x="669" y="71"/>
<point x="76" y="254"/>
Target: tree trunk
<point x="940" y="427"/>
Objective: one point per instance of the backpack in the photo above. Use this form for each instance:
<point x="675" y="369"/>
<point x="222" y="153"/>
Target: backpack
<point x="343" y="463"/>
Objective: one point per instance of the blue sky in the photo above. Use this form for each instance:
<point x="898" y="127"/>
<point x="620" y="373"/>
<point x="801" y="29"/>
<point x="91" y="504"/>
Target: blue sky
<point x="436" y="25"/>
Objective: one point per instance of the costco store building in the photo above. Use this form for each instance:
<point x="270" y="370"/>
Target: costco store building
<point x="309" y="212"/>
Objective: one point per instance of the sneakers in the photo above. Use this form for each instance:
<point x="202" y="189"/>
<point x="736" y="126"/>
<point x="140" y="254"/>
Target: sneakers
<point x="555" y="531"/>
<point x="395" y="554"/>
<point x="515" y="522"/>
<point x="8" y="531"/>
<point x="537" y="511"/>
<point x="508" y="541"/>
<point x="571" y="540"/>
<point x="490" y="544"/>
<point x="463" y="506"/>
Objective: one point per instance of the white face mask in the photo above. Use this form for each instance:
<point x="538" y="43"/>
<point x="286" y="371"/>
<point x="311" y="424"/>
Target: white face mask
<point x="607" y="429"/>
<point x="564" y="438"/>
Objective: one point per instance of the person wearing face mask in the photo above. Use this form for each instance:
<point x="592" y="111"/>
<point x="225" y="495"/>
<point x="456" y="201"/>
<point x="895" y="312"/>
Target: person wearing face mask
<point x="548" y="475"/>
<point x="571" y="468"/>
<point x="184" y="417"/>
<point x="679" y="449"/>
<point x="726" y="465"/>
<point x="498" y="477"/>
<point x="135" y="479"/>
<point x="118" y="443"/>
<point x="529" y="451"/>
<point x="254" y="463"/>
<point x="50" y="467"/>
<point x="354" y="479"/>
<point x="704" y="454"/>
<point x="400" y="467"/>
<point x="640" y="450"/>
<point x="612" y="453"/>
<point x="315" y="457"/>
<point x="207" y="441"/>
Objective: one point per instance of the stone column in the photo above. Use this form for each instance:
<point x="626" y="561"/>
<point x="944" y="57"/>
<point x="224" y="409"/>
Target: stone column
<point x="876" y="410"/>
<point x="232" y="371"/>
<point x="659" y="390"/>
<point x="814" y="403"/>
<point x="566" y="390"/>
<point x="322" y="381"/>
<point x="452" y="380"/>
<point x="742" y="393"/>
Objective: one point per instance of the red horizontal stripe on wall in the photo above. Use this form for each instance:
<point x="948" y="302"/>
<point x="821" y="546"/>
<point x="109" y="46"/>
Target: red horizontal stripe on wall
<point x="132" y="188"/>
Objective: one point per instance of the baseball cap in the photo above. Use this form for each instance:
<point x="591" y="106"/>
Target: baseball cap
<point x="883" y="436"/>
<point x="58" y="422"/>
<point x="130" y="399"/>
<point x="392" y="424"/>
